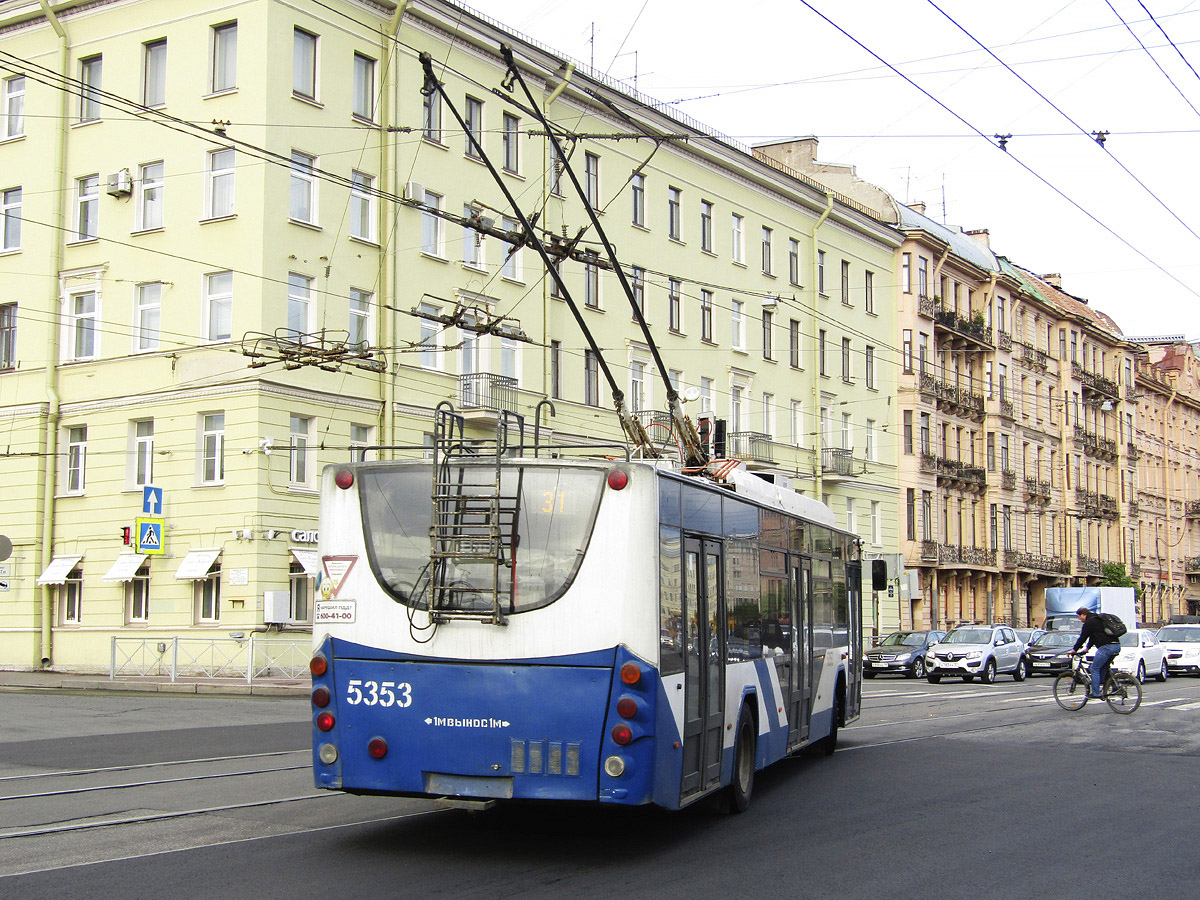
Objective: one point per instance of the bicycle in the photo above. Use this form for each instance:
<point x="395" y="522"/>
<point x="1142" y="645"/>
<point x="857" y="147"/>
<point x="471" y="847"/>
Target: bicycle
<point x="1122" y="692"/>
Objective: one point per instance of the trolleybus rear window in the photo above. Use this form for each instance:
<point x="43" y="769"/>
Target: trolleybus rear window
<point x="544" y="517"/>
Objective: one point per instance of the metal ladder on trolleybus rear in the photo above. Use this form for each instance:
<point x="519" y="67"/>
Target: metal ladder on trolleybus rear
<point x="474" y="523"/>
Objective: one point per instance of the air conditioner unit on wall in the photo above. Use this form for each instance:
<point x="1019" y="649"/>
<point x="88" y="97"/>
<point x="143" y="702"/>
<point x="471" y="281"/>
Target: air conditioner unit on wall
<point x="276" y="607"/>
<point x="415" y="191"/>
<point x="120" y="184"/>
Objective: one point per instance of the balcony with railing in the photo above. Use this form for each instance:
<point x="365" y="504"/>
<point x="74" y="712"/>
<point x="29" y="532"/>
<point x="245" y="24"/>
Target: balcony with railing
<point x="483" y="392"/>
<point x="1133" y="507"/>
<point x="961" y="474"/>
<point x="1094" y="445"/>
<point x="654" y="421"/>
<point x="1037" y="490"/>
<point x="928" y="307"/>
<point x="1034" y="358"/>
<point x="1132" y="451"/>
<point x="951" y="397"/>
<point x="963" y="331"/>
<point x="1191" y="565"/>
<point x="1088" y="565"/>
<point x="836" y="461"/>
<point x="929" y="551"/>
<point x="1036" y="562"/>
<point x="1094" y="382"/>
<point x="1006" y="409"/>
<point x="1003" y="339"/>
<point x="751" y="446"/>
<point x="953" y="555"/>
<point x="1008" y="480"/>
<point x="1191" y="509"/>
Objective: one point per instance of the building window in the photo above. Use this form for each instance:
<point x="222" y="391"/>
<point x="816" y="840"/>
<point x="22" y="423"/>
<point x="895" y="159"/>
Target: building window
<point x="474" y="250"/>
<point x="927" y="515"/>
<point x="768" y="334"/>
<point x="767" y="261"/>
<point x="821" y="272"/>
<point x="298" y="468"/>
<point x="150" y="196"/>
<point x="474" y="119"/>
<point x="218" y="306"/>
<point x="212" y="448"/>
<point x="591" y="179"/>
<point x="706" y="314"/>
<point x="846" y="369"/>
<point x="10" y="214"/>
<point x="851" y="524"/>
<point x="706" y="223"/>
<point x="220" y="177"/>
<point x="869" y="292"/>
<point x="637" y="386"/>
<point x="845" y="283"/>
<point x="906" y="273"/>
<point x="739" y="250"/>
<point x="428" y="357"/>
<point x="431" y="116"/>
<point x="910" y="513"/>
<point x="83" y="309"/>
<point x="768" y="414"/>
<point x="735" y="408"/>
<point x="821" y="352"/>
<point x="302" y="202"/>
<point x="137" y="596"/>
<point x="12" y="113"/>
<point x="674" y="306"/>
<point x="154" y="73"/>
<point x="906" y="350"/>
<point x="299" y="593"/>
<point x="737" y="325"/>
<point x="364" y="87"/>
<point x="922" y="276"/>
<point x="147" y="315"/>
<point x="510" y="135"/>
<point x="876" y="524"/>
<point x="360" y="440"/>
<point x="361" y="306"/>
<point x="72" y="598"/>
<point x="87" y="206"/>
<point x="869" y="434"/>
<point x="674" y="213"/>
<point x="556" y="369"/>
<point x="637" y="284"/>
<point x="794" y="343"/>
<point x="8" y="336"/>
<point x="208" y="595"/>
<point x="143" y="452"/>
<point x="362" y="206"/>
<point x="638" y="186"/>
<point x="91" y="71"/>
<point x="304" y="64"/>
<point x="591" y="286"/>
<point x="706" y="395"/>
<point x="794" y="261"/>
<point x="869" y="363"/>
<point x="591" y="379"/>
<point x="847" y="432"/>
<point x="299" y="306"/>
<point x="511" y="268"/>
<point x="224" y="57"/>
<point x="797" y="423"/>
<point x="432" y="237"/>
<point x="76" y="459"/>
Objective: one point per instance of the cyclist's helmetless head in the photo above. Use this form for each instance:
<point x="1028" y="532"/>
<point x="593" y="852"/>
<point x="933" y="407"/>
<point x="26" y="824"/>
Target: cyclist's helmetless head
<point x="1082" y="612"/>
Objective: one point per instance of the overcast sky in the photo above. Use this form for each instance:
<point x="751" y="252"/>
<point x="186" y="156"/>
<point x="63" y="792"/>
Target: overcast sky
<point x="1120" y="221"/>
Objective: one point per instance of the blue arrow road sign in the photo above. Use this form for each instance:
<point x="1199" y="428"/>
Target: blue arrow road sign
<point x="152" y="500"/>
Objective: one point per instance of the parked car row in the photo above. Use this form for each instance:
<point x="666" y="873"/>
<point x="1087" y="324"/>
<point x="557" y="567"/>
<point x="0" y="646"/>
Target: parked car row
<point x="987" y="651"/>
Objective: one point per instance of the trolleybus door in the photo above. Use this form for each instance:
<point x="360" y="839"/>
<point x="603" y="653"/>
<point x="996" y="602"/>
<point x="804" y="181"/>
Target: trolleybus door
<point x="704" y="665"/>
<point x="854" y="662"/>
<point x="800" y="683"/>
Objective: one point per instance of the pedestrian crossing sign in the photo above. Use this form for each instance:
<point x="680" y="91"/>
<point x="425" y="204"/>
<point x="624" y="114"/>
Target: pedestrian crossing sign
<point x="150" y="536"/>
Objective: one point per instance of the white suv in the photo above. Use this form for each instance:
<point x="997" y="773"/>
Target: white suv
<point x="1182" y="643"/>
<point x="971" y="651"/>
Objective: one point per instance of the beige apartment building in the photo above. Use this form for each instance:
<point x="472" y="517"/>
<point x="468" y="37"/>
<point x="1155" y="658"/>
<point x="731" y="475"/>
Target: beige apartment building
<point x="241" y="242"/>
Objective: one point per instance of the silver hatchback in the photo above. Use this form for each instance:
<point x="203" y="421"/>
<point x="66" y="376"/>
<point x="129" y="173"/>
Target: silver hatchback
<point x="976" y="651"/>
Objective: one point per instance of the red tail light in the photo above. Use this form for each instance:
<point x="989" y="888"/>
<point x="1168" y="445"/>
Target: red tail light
<point x="318" y="665"/>
<point x="377" y="747"/>
<point x="320" y="697"/>
<point x="627" y="707"/>
<point x="617" y="479"/>
<point x="622" y="734"/>
<point x="631" y="673"/>
<point x="325" y="721"/>
<point x="344" y="479"/>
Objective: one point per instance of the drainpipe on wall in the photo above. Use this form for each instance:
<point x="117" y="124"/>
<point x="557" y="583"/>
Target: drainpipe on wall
<point x="819" y="480"/>
<point x="47" y="461"/>
<point x="1168" y="485"/>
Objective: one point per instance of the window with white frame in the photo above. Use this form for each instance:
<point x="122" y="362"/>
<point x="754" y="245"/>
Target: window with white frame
<point x="10" y="219"/>
<point x="76" y="476"/>
<point x="845" y="282"/>
<point x="362" y="320"/>
<point x="591" y="286"/>
<point x="739" y="249"/>
<point x="793" y="261"/>
<point x="768" y="414"/>
<point x="150" y="199"/>
<point x="706" y="226"/>
<point x="431" y="116"/>
<point x="142" y="463"/>
<point x="364" y="88"/>
<point x="674" y="305"/>
<point x="736" y="398"/>
<point x="767" y="256"/>
<point x="137" y="596"/>
<point x="474" y="248"/>
<point x="768" y="334"/>
<point x="706" y="315"/>
<point x="851" y="523"/>
<point x="70" y="594"/>
<point x="510" y="143"/>
<point x="821" y="272"/>
<point x="432" y="235"/>
<point x="847" y="432"/>
<point x="362" y="206"/>
<point x="794" y="343"/>
<point x="154" y="73"/>
<point x="869" y="437"/>
<point x="556" y="363"/>
<point x="218" y="306"/>
<point x="304" y="64"/>
<point x="638" y="185"/>
<point x="428" y="357"/>
<point x="737" y="324"/>
<point x="511" y="268"/>
<point x="591" y="179"/>
<point x="797" y="422"/>
<point x="12" y="107"/>
<point x="8" y="336"/>
<point x="219" y="175"/>
<point x="91" y="72"/>
<point x="706" y="395"/>
<point x="87" y="207"/>
<point x="207" y="595"/>
<point x="637" y="284"/>
<point x="674" y="213"/>
<point x="847" y="370"/>
<point x="869" y="365"/>
<point x="591" y="379"/>
<point x="147" y="316"/>
<point x="224" y="57"/>
<point x="876" y="524"/>
<point x="299" y="305"/>
<point x="83" y="309"/>
<point x="869" y="291"/>
<point x="361" y="437"/>
<point x="302" y="196"/>
<point x="637" y="386"/>
<point x="300" y="590"/>
<point x="299" y="464"/>
<point x="212" y="448"/>
<point x="509" y="359"/>
<point x="474" y="119"/>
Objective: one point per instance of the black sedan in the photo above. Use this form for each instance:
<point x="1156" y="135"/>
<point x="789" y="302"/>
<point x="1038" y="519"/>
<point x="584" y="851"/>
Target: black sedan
<point x="900" y="653"/>
<point x="1048" y="654"/>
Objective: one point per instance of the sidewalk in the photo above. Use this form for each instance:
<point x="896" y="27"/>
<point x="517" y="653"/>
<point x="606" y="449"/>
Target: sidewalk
<point x="161" y="684"/>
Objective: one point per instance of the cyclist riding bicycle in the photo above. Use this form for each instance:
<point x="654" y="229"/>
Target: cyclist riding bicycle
<point x="1107" y="647"/>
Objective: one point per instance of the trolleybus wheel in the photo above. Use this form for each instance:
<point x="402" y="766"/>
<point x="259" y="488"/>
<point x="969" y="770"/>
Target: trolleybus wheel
<point x="744" y="755"/>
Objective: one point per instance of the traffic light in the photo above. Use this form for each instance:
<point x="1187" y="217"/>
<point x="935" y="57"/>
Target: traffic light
<point x="126" y="535"/>
<point x="879" y="579"/>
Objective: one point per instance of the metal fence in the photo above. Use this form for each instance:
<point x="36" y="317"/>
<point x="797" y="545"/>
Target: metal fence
<point x="250" y="658"/>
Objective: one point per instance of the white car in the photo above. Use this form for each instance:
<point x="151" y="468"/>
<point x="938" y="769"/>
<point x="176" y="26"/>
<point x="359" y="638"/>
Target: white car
<point x="1142" y="655"/>
<point x="976" y="651"/>
<point x="1182" y="643"/>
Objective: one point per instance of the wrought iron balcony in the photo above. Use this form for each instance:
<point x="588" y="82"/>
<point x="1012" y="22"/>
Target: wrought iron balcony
<point x="836" y="461"/>
<point x="1191" y="509"/>
<point x="485" y="391"/>
<point x="751" y="445"/>
<point x="929" y="551"/>
<point x="1006" y="409"/>
<point x="1008" y="480"/>
<point x="1132" y="451"/>
<point x="1087" y="565"/>
<point x="1003" y="339"/>
<point x="1191" y="565"/>
<point x="968" y="329"/>
<point x="1017" y="559"/>
<point x="1133" y="507"/>
<point x="954" y="555"/>
<point x="1094" y="381"/>
<point x="928" y="307"/>
<point x="1037" y="490"/>
<point x="1035" y="358"/>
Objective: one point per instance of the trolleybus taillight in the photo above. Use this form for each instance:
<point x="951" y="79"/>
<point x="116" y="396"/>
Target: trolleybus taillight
<point x="626" y="707"/>
<point x="318" y="665"/>
<point x="344" y="479"/>
<point x="631" y="673"/>
<point x="320" y="697"/>
<point x="325" y="721"/>
<point x="622" y="734"/>
<point x="617" y="479"/>
<point x="377" y="747"/>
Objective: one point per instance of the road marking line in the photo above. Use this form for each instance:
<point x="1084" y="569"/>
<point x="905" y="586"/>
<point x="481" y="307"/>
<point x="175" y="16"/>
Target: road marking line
<point x="1168" y="700"/>
<point x="1194" y="705"/>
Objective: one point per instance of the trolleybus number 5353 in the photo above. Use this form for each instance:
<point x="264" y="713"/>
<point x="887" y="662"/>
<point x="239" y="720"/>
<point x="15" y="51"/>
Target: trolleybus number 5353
<point x="378" y="694"/>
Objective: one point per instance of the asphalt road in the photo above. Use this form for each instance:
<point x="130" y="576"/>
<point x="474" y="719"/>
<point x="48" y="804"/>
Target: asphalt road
<point x="952" y="790"/>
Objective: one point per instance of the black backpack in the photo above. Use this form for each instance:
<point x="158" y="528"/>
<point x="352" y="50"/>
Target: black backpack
<point x="1113" y="626"/>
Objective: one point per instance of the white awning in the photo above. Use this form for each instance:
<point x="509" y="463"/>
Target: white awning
<point x="196" y="564"/>
<point x="58" y="570"/>
<point x="125" y="567"/>
<point x="308" y="559"/>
